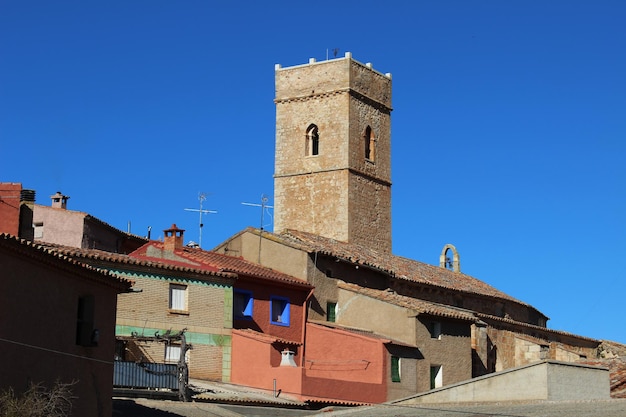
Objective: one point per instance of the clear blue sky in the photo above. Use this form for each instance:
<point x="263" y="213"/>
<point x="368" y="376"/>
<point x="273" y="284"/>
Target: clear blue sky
<point x="508" y="129"/>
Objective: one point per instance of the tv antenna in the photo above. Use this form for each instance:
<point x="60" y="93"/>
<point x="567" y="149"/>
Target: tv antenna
<point x="201" y="198"/>
<point x="264" y="208"/>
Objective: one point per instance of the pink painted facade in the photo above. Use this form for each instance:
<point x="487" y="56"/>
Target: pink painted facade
<point x="342" y="365"/>
<point x="334" y="365"/>
<point x="256" y="362"/>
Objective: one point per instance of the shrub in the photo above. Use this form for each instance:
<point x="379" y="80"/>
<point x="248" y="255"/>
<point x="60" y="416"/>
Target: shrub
<point x="38" y="401"/>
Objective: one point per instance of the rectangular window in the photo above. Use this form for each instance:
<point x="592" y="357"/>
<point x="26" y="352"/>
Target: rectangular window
<point x="178" y="297"/>
<point x="436" y="376"/>
<point x="86" y="335"/>
<point x="38" y="230"/>
<point x="331" y="311"/>
<point x="242" y="305"/>
<point x="395" y="369"/>
<point x="279" y="311"/>
<point x="172" y="353"/>
<point x="435" y="330"/>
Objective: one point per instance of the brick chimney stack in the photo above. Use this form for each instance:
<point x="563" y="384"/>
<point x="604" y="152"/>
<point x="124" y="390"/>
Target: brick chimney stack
<point x="59" y="200"/>
<point x="173" y="238"/>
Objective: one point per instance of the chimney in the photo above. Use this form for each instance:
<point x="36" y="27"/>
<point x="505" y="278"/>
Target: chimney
<point x="173" y="238"/>
<point x="27" y="209"/>
<point x="59" y="200"/>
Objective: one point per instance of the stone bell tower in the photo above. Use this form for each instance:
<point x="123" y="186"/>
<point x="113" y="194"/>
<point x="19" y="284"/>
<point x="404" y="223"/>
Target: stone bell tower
<point x="333" y="151"/>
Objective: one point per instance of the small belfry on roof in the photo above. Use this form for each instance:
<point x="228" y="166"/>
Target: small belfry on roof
<point x="445" y="261"/>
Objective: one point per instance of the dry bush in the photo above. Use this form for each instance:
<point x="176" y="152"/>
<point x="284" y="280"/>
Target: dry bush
<point x="38" y="401"/>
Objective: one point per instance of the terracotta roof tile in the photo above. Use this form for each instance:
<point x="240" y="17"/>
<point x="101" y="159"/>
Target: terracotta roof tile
<point x="400" y="267"/>
<point x="99" y="255"/>
<point x="36" y="249"/>
<point x="532" y="326"/>
<point x="226" y="263"/>
<point x="263" y="337"/>
<point x="415" y="304"/>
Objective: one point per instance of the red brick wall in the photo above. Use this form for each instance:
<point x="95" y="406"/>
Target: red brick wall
<point x="10" y="208"/>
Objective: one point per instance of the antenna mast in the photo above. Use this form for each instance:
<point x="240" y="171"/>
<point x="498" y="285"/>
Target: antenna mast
<point x="201" y="198"/>
<point x="264" y="207"/>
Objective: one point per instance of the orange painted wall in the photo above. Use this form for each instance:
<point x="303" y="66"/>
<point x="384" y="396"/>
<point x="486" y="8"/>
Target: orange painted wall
<point x="252" y="366"/>
<point x="345" y="366"/>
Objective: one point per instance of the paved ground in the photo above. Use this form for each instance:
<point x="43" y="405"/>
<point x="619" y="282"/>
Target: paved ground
<point x="221" y="396"/>
<point x="159" y="408"/>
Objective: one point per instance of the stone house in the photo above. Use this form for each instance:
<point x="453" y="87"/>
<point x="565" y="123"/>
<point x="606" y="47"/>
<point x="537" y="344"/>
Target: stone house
<point x="58" y="323"/>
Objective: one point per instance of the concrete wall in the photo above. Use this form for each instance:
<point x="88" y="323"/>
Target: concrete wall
<point x="547" y="380"/>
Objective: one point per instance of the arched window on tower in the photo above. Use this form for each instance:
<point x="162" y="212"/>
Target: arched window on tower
<point x="370" y="144"/>
<point x="312" y="141"/>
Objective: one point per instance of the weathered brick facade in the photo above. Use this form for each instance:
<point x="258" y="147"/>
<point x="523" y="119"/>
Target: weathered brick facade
<point x="341" y="190"/>
<point x="208" y="320"/>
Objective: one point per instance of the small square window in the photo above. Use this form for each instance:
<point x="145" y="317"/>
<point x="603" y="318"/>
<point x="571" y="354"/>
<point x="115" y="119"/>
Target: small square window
<point x="178" y="297"/>
<point x="242" y="305"/>
<point x="279" y="311"/>
<point x="38" y="230"/>
<point x="172" y="353"/>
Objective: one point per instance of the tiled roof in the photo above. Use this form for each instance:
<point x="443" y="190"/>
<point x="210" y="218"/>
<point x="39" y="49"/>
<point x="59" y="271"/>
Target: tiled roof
<point x="263" y="337"/>
<point x="400" y="267"/>
<point x="127" y="260"/>
<point x="415" y="304"/>
<point x="532" y="326"/>
<point x="226" y="263"/>
<point x="44" y="251"/>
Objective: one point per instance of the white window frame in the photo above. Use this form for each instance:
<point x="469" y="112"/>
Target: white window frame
<point x="178" y="297"/>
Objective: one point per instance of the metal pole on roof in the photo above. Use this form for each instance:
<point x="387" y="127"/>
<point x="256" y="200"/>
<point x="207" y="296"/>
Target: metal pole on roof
<point x="202" y="198"/>
<point x="264" y="206"/>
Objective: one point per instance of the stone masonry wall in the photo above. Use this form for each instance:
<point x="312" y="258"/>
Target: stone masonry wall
<point x="337" y="193"/>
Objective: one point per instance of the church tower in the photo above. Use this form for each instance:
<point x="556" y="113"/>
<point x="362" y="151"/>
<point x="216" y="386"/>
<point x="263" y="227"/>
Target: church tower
<point x="333" y="151"/>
